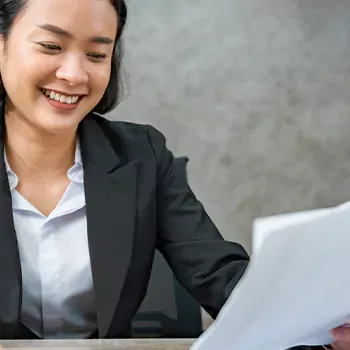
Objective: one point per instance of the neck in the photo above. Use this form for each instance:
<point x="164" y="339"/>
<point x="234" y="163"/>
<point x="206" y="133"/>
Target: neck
<point x="31" y="152"/>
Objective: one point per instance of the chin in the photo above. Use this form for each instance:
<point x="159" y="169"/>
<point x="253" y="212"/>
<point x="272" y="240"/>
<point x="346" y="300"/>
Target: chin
<point x="59" y="125"/>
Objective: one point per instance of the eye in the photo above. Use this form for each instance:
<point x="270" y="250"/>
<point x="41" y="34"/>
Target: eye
<point x="97" y="56"/>
<point x="50" y="47"/>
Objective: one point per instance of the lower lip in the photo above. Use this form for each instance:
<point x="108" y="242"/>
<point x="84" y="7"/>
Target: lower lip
<point x="62" y="106"/>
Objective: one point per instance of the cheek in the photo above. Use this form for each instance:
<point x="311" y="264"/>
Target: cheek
<point x="38" y="68"/>
<point x="14" y="78"/>
<point x="100" y="78"/>
<point x="24" y="70"/>
<point x="19" y="62"/>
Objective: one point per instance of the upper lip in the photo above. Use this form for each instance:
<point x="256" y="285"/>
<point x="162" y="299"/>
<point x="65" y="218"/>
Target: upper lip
<point x="65" y="93"/>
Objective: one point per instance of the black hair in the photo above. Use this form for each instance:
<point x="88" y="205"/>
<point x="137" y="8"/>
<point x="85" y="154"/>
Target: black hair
<point x="11" y="9"/>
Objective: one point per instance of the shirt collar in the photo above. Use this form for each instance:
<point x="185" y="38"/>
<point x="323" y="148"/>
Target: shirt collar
<point x="77" y="155"/>
<point x="75" y="173"/>
<point x="12" y="177"/>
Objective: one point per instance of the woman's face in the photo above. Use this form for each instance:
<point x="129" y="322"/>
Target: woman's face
<point x="58" y="51"/>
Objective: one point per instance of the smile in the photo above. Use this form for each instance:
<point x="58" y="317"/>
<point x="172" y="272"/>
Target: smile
<point x="65" y="99"/>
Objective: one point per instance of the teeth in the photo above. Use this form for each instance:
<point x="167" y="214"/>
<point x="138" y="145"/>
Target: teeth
<point x="60" y="98"/>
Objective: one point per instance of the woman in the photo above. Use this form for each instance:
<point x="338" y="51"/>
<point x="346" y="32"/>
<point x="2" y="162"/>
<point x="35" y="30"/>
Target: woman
<point x="84" y="202"/>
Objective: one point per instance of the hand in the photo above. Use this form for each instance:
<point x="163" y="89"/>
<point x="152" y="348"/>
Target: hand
<point x="342" y="338"/>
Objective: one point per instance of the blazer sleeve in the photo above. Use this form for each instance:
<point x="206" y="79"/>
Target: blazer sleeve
<point x="203" y="262"/>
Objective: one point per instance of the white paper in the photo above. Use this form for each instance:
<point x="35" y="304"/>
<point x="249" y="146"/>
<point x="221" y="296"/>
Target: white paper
<point x="295" y="290"/>
<point x="265" y="225"/>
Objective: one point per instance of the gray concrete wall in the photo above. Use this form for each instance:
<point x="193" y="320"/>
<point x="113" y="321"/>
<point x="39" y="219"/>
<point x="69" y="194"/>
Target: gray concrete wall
<point x="255" y="93"/>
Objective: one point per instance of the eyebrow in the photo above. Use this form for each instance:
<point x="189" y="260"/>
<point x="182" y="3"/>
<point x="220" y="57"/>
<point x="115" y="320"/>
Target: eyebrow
<point x="61" y="32"/>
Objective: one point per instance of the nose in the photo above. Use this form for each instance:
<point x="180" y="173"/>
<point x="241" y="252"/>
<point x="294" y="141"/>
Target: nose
<point x="72" y="71"/>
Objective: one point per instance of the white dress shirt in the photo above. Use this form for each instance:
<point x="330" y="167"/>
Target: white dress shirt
<point x="58" y="297"/>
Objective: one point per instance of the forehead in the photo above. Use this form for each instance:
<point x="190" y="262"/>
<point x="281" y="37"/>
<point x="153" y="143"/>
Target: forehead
<point x="81" y="17"/>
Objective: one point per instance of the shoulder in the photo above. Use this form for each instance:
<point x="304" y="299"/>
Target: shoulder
<point x="136" y="139"/>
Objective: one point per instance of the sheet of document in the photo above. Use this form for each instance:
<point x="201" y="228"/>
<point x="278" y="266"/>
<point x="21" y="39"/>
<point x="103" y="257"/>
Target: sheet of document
<point x="263" y="226"/>
<point x="295" y="289"/>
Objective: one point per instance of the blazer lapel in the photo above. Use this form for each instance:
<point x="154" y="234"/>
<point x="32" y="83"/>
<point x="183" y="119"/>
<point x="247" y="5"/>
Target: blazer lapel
<point x="110" y="192"/>
<point x="10" y="267"/>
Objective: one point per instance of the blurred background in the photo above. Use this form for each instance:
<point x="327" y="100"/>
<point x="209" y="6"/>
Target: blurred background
<point x="256" y="95"/>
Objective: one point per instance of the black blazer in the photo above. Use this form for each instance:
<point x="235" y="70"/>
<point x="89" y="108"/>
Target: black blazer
<point x="135" y="203"/>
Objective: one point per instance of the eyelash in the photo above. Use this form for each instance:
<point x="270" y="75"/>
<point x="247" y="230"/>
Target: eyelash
<point x="93" y="55"/>
<point x="97" y="56"/>
<point x="50" y="47"/>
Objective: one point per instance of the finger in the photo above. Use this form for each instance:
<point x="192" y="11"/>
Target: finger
<point x="335" y="346"/>
<point x="341" y="334"/>
<point x="340" y="346"/>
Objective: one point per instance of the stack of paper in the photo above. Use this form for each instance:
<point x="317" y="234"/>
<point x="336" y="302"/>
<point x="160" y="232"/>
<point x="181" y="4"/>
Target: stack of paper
<point x="296" y="288"/>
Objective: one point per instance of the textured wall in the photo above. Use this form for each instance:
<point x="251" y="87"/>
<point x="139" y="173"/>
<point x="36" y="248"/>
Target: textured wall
<point x="254" y="92"/>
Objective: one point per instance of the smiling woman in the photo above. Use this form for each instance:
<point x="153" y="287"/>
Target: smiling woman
<point x="85" y="202"/>
<point x="58" y="53"/>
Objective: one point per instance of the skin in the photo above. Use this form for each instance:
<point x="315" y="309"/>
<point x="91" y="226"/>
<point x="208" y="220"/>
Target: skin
<point x="342" y="338"/>
<point x="41" y="139"/>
